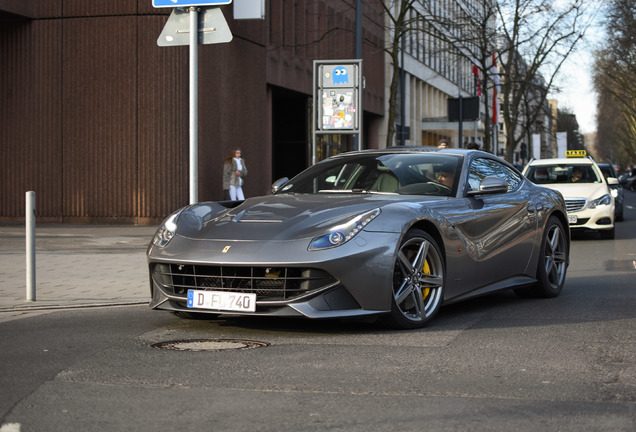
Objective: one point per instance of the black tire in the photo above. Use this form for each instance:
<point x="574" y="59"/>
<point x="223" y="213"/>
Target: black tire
<point x="608" y="234"/>
<point x="194" y="315"/>
<point x="619" y="216"/>
<point x="553" y="262"/>
<point x="418" y="282"/>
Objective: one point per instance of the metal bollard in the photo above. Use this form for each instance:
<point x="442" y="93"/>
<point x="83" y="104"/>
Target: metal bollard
<point x="30" y="245"/>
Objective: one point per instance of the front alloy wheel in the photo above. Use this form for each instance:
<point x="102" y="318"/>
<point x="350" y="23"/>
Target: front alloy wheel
<point x="418" y="281"/>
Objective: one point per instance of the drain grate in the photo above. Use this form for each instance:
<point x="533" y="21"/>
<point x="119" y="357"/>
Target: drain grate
<point x="209" y="344"/>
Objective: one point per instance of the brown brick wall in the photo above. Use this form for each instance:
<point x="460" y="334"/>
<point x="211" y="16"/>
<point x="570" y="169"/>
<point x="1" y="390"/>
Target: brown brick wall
<point x="94" y="115"/>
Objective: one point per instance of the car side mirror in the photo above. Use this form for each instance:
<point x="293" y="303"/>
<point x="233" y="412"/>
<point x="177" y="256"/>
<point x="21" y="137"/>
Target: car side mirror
<point x="612" y="181"/>
<point x="279" y="184"/>
<point x="490" y="185"/>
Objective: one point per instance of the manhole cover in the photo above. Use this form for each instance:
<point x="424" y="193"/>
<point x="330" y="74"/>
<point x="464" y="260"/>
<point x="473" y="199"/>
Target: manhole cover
<point x="209" y="344"/>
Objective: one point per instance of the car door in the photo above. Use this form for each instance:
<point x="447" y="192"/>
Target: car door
<point x="504" y="225"/>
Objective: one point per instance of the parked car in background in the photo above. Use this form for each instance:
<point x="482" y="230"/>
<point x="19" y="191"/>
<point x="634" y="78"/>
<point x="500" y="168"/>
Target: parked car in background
<point x="608" y="171"/>
<point x="587" y="193"/>
<point x="628" y="180"/>
<point x="391" y="233"/>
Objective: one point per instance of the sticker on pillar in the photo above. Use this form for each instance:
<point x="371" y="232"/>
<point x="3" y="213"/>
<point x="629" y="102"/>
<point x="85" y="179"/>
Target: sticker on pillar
<point x="340" y="75"/>
<point x="338" y="108"/>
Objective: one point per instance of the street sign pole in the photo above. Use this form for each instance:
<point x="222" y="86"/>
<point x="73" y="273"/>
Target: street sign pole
<point x="212" y="30"/>
<point x="194" y="104"/>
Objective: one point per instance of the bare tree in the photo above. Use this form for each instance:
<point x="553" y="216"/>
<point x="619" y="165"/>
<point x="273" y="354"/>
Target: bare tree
<point x="399" y="23"/>
<point x="537" y="36"/>
<point x="471" y="33"/>
<point x="531" y="40"/>
<point x="567" y="122"/>
<point x="463" y="33"/>
<point x="615" y="81"/>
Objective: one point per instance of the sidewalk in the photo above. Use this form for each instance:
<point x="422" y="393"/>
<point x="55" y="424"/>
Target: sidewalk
<point x="76" y="266"/>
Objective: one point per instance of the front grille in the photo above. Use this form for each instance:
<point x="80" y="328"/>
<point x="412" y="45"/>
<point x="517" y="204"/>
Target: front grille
<point x="268" y="283"/>
<point x="574" y="205"/>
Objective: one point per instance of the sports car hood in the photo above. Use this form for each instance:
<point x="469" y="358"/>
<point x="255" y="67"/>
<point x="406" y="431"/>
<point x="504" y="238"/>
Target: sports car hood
<point x="276" y="217"/>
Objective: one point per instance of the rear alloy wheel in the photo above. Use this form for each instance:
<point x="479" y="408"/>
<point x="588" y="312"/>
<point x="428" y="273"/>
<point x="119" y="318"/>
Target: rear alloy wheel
<point x="418" y="282"/>
<point x="553" y="262"/>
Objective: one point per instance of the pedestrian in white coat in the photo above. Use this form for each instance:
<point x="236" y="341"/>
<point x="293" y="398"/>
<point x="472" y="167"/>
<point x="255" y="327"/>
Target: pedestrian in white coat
<point x="234" y="173"/>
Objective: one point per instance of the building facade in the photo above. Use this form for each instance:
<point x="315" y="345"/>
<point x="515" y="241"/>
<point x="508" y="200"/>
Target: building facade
<point x="436" y="64"/>
<point x="94" y="114"/>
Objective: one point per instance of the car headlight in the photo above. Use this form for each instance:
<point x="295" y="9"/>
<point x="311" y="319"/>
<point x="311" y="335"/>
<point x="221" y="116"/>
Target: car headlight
<point x="602" y="201"/>
<point x="342" y="233"/>
<point x="166" y="231"/>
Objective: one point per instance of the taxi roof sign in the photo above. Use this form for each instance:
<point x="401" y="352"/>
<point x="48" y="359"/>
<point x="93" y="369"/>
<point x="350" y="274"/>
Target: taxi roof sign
<point x="575" y="153"/>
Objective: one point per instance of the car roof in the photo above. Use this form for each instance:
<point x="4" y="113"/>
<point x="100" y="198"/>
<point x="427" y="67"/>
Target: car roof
<point x="414" y="149"/>
<point x="562" y="161"/>
<point x="405" y="150"/>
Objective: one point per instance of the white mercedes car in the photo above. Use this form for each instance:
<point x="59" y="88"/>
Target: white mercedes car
<point x="588" y="198"/>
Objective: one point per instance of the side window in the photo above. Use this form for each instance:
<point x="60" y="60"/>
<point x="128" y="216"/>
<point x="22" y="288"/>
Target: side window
<point x="483" y="167"/>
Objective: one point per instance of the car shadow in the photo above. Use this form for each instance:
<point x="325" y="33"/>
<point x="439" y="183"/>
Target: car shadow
<point x="623" y="232"/>
<point x="578" y="303"/>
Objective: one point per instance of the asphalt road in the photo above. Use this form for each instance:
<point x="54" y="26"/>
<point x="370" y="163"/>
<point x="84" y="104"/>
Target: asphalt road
<point x="498" y="363"/>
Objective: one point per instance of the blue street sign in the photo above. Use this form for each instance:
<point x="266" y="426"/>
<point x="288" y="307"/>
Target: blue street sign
<point x="186" y="3"/>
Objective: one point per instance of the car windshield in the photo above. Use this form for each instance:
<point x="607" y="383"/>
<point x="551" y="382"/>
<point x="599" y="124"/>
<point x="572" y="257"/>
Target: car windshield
<point x="426" y="173"/>
<point x="563" y="173"/>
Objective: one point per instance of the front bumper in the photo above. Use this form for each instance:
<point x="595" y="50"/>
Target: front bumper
<point x="354" y="279"/>
<point x="599" y="218"/>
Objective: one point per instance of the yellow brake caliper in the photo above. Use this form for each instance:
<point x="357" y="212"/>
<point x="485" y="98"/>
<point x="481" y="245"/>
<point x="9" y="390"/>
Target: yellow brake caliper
<point x="426" y="269"/>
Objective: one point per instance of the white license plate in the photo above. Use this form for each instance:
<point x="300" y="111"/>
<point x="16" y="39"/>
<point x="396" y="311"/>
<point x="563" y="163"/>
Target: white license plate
<point x="572" y="219"/>
<point x="219" y="300"/>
